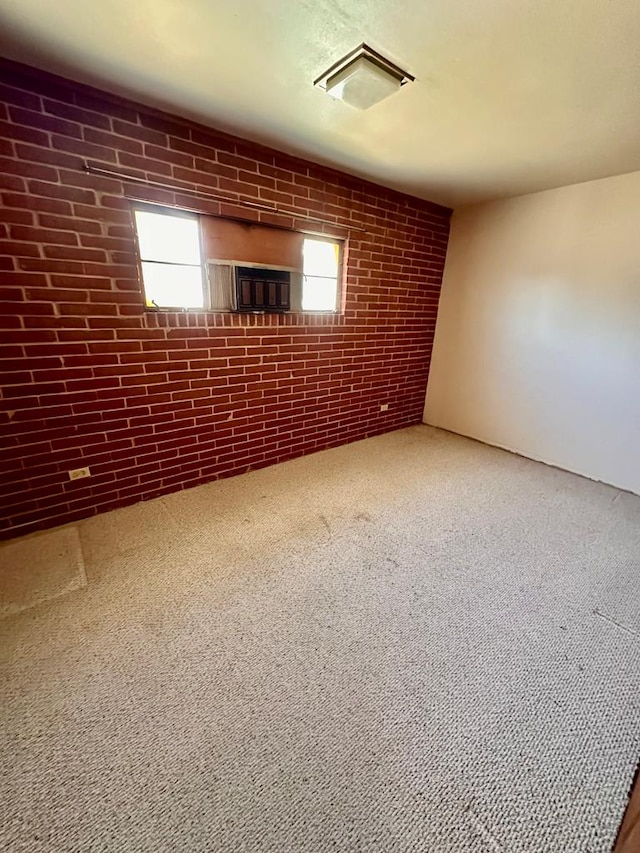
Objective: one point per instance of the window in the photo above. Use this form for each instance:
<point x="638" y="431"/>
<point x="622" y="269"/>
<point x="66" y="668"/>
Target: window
<point x="196" y="262"/>
<point x="169" y="244"/>
<point x="321" y="262"/>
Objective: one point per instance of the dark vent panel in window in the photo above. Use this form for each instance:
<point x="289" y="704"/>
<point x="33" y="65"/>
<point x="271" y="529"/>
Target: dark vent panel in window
<point x="260" y="289"/>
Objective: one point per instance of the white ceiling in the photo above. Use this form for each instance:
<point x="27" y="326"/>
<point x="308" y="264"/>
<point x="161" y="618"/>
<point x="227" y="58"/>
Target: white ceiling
<point x="511" y="96"/>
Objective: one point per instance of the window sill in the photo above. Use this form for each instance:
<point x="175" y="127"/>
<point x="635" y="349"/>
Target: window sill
<point x="197" y="317"/>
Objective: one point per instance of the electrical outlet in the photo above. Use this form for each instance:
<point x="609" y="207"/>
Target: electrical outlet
<point x="79" y="473"/>
<point x="384" y="407"/>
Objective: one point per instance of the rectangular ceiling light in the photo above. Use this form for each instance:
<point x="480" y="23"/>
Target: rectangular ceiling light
<point x="362" y="78"/>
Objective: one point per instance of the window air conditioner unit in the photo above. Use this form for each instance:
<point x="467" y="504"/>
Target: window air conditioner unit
<point x="246" y="288"/>
<point x="262" y="289"/>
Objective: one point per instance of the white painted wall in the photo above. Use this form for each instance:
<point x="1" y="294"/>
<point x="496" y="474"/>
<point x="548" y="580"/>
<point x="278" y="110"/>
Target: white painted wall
<point x="537" y="345"/>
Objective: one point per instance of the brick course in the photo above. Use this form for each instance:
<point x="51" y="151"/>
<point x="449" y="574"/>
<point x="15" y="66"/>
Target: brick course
<point x="155" y="402"/>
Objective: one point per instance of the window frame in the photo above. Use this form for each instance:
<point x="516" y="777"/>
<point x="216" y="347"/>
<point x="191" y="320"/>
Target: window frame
<point x="334" y="241"/>
<point x="182" y="213"/>
<point x="178" y="213"/>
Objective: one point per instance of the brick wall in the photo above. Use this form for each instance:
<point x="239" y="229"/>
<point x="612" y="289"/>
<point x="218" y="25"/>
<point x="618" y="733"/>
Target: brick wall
<point x="155" y="402"/>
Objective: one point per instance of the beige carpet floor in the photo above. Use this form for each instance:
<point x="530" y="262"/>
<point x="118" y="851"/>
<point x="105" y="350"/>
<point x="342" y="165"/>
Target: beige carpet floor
<point x="412" y="643"/>
<point x="35" y="569"/>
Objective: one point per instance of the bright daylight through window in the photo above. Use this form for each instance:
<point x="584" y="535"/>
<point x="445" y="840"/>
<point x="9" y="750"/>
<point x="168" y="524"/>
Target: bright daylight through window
<point x="320" y="275"/>
<point x="173" y="272"/>
<point x="170" y="255"/>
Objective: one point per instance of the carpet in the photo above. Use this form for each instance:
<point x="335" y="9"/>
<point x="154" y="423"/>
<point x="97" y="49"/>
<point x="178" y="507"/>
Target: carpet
<point x="410" y="643"/>
<point x="38" y="568"/>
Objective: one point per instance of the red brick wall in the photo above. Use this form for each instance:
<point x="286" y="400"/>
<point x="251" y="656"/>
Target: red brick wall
<point x="155" y="402"/>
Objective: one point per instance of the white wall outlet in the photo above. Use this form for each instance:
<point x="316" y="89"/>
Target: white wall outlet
<point x="79" y="473"/>
<point x="384" y="407"/>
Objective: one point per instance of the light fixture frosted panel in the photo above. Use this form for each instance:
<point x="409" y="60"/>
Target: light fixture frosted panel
<point x="362" y="78"/>
<point x="363" y="83"/>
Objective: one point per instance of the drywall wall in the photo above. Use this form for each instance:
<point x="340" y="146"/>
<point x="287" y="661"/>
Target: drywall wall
<point x="154" y="402"/>
<point x="537" y="345"/>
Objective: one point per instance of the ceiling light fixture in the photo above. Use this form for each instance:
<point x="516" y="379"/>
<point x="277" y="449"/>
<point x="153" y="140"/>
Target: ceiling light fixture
<point x="362" y="78"/>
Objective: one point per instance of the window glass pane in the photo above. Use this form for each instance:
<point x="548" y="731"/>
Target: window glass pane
<point x="173" y="239"/>
<point x="173" y="286"/>
<point x="320" y="258"/>
<point x="319" y="294"/>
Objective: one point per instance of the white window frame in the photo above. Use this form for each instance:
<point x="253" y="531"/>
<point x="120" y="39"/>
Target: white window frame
<point x="298" y="276"/>
<point x="178" y="214"/>
<point x="318" y="238"/>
